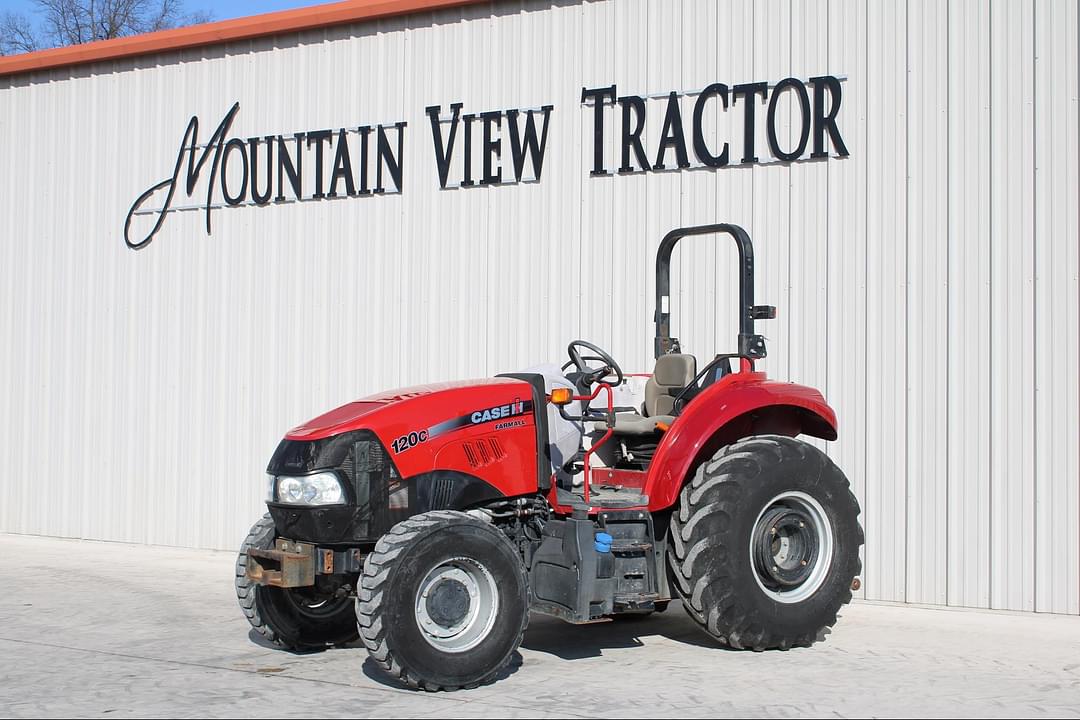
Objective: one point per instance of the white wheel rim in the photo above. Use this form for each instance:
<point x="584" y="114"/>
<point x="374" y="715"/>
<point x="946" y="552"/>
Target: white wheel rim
<point x="821" y="530"/>
<point x="443" y="621"/>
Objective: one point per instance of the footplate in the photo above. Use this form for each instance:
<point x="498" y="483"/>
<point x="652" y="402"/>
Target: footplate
<point x="289" y="564"/>
<point x="631" y="603"/>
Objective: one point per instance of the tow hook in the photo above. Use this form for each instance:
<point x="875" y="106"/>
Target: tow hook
<point x="289" y="564"/>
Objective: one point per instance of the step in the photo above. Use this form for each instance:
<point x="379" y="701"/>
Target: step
<point x="636" y="601"/>
<point x="620" y="498"/>
<point x="630" y="546"/>
<point x="606" y="499"/>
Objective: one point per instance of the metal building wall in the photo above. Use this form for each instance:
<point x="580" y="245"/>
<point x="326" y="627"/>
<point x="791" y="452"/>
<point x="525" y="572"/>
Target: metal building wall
<point x="927" y="283"/>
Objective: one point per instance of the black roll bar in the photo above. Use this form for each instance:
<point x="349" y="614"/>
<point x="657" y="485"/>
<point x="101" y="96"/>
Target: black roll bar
<point x="751" y="345"/>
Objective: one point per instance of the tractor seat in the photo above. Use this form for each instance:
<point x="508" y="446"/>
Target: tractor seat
<point x="672" y="373"/>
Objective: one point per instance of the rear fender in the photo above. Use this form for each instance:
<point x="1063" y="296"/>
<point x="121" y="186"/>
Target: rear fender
<point x="738" y="406"/>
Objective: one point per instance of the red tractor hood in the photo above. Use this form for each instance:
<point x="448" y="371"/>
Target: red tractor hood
<point x="480" y="428"/>
<point x="420" y="401"/>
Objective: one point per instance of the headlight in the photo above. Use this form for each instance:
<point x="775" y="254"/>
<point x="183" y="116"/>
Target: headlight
<point x="319" y="489"/>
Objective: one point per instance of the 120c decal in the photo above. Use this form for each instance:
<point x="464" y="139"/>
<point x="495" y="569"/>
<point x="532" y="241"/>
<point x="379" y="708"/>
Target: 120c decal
<point x="411" y="440"/>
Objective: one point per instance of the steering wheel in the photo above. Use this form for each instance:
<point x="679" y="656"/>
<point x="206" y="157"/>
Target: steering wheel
<point x="591" y="376"/>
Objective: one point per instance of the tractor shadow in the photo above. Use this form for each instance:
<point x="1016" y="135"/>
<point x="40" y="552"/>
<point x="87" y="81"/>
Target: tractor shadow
<point x="576" y="642"/>
<point x="369" y="668"/>
<point x="256" y="639"/>
<point x="375" y="674"/>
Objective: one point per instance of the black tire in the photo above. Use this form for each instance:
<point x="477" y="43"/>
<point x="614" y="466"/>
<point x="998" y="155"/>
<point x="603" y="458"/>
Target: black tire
<point x="720" y="522"/>
<point x="390" y="589"/>
<point x="291" y="618"/>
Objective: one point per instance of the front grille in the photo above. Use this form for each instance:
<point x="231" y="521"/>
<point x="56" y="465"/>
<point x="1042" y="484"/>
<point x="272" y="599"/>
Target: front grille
<point x="442" y="492"/>
<point x="363" y="463"/>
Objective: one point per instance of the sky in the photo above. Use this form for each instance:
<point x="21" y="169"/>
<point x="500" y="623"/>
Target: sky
<point x="221" y="9"/>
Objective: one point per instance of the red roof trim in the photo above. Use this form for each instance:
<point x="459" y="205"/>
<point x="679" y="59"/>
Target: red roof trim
<point x="285" y="21"/>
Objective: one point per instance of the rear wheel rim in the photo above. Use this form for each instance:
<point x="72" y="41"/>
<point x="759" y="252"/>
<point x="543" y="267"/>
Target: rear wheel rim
<point x="456" y="605"/>
<point x="791" y="547"/>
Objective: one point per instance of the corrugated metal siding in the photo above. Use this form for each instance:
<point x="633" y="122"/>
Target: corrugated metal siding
<point x="928" y="283"/>
<point x="927" y="267"/>
<point x="966" y="363"/>
<point x="1012" y="309"/>
<point x="887" y="154"/>
<point x="1057" y="492"/>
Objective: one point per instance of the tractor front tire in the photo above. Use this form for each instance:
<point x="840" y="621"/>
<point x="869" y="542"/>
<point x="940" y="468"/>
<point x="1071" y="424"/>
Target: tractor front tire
<point x="764" y="545"/>
<point x="299" y="619"/>
<point x="443" y="601"/>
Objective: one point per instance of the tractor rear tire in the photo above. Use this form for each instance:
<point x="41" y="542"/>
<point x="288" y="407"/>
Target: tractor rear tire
<point x="299" y="619"/>
<point x="443" y="601"/>
<point x="764" y="545"/>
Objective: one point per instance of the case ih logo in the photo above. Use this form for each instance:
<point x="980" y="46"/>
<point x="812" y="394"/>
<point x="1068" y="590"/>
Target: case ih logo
<point x="498" y="412"/>
<point x="496" y="147"/>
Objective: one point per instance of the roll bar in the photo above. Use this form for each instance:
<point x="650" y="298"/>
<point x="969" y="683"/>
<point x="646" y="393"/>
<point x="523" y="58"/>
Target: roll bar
<point x="751" y="345"/>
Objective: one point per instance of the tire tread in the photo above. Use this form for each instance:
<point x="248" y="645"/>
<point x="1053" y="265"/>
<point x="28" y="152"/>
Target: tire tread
<point x="378" y="567"/>
<point x="706" y="504"/>
<point x="261" y="535"/>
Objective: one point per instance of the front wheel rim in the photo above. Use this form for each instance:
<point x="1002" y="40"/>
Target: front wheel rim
<point x="791" y="547"/>
<point x="315" y="605"/>
<point x="456" y="605"/>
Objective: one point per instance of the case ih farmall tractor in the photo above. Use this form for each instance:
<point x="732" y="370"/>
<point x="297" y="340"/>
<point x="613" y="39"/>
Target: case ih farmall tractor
<point x="430" y="521"/>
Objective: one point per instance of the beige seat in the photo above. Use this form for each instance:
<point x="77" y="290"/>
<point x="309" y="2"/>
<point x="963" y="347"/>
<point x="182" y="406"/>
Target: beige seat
<point x="671" y="374"/>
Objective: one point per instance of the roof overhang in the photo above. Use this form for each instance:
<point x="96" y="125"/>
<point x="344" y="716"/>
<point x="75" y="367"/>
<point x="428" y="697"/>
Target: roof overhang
<point x="225" y="31"/>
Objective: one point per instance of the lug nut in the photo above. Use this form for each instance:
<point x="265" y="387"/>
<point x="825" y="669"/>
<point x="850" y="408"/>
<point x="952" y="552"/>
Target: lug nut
<point x="802" y="524"/>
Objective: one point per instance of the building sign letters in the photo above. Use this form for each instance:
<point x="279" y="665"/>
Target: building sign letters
<point x="486" y="148"/>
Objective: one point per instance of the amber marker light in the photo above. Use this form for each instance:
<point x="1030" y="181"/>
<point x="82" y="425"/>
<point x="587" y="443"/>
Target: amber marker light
<point x="561" y="396"/>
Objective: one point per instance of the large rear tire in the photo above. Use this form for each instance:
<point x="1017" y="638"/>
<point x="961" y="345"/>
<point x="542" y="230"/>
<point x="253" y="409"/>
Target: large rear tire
<point x="443" y="601"/>
<point x="765" y="544"/>
<point x="292" y="618"/>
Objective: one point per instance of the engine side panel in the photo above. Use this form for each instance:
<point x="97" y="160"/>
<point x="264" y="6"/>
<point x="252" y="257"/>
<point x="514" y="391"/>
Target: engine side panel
<point x="488" y="432"/>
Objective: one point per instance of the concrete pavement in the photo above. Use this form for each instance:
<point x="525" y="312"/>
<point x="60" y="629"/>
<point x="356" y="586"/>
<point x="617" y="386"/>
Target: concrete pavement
<point x="91" y="629"/>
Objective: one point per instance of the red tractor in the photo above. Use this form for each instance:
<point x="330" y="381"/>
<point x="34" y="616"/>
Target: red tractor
<point x="430" y="521"/>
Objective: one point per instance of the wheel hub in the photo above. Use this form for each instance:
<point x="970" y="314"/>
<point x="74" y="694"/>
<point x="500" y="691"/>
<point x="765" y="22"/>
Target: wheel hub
<point x="787" y="546"/>
<point x="791" y="547"/>
<point x="456" y="604"/>
<point x="448" y="603"/>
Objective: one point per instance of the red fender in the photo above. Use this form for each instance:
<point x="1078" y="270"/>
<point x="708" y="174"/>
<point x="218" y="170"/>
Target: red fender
<point x="739" y="405"/>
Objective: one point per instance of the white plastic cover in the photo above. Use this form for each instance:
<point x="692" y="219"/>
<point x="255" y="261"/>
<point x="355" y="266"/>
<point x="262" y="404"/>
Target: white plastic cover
<point x="564" y="436"/>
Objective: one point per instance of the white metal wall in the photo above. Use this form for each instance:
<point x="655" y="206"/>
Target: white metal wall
<point x="927" y="283"/>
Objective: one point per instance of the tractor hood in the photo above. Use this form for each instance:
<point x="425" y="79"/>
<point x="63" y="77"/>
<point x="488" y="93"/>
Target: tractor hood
<point x="407" y="451"/>
<point x="415" y="405"/>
